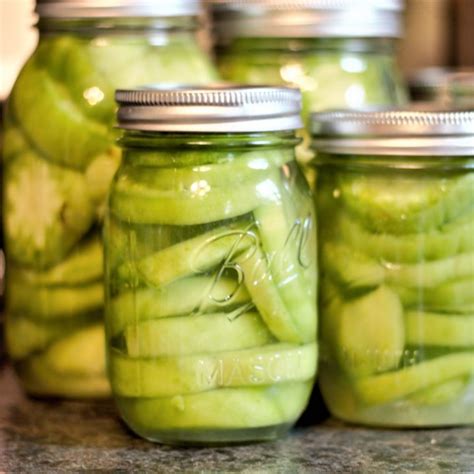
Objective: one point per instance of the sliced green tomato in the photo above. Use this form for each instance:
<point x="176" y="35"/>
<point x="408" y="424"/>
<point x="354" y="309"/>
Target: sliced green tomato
<point x="432" y="274"/>
<point x="431" y="329"/>
<point x="83" y="265"/>
<point x="404" y="206"/>
<point x="47" y="211"/>
<point x="457" y="237"/>
<point x="82" y="353"/>
<point x="72" y="139"/>
<point x="391" y="386"/>
<point x="99" y="175"/>
<point x="355" y="271"/>
<point x="138" y="202"/>
<point x="281" y="243"/>
<point x="129" y="61"/>
<point x="219" y="409"/>
<point x="350" y="269"/>
<point x="168" y="376"/>
<point x="300" y="211"/>
<point x="67" y="61"/>
<point x="450" y="297"/>
<point x="185" y="296"/>
<point x="38" y="379"/>
<point x="366" y="333"/>
<point x="441" y="394"/>
<point x="205" y="333"/>
<point x="14" y="142"/>
<point x="54" y="303"/>
<point x="237" y="170"/>
<point x="264" y="293"/>
<point x="24" y="335"/>
<point x="196" y="255"/>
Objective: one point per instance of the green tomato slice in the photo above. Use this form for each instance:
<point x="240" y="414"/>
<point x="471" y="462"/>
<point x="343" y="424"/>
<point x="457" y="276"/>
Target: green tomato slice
<point x="169" y="376"/>
<point x="180" y="298"/>
<point x="74" y="140"/>
<point x="227" y="408"/>
<point x="213" y="332"/>
<point x="197" y="255"/>
<point x="433" y="329"/>
<point x="392" y="386"/>
<point x="47" y="210"/>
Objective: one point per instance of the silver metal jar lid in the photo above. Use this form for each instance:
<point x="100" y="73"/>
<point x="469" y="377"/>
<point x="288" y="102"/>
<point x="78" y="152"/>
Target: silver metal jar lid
<point x="116" y="8"/>
<point x="398" y="132"/>
<point x="307" y="18"/>
<point x="210" y="109"/>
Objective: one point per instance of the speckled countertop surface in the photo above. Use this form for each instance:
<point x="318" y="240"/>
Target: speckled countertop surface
<point x="38" y="436"/>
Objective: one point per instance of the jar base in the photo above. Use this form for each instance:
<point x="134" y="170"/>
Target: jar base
<point x="405" y="413"/>
<point x="209" y="437"/>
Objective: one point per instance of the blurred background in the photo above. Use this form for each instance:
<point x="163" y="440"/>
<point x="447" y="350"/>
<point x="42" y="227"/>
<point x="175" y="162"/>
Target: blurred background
<point x="438" y="33"/>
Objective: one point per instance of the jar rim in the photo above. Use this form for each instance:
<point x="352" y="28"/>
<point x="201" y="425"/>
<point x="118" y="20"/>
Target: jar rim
<point x="307" y="18"/>
<point x="217" y="108"/>
<point x="421" y="130"/>
<point x="116" y="8"/>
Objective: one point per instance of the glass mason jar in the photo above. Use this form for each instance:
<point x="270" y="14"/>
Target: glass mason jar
<point x="460" y="88"/>
<point x="395" y="201"/>
<point x="341" y="54"/>
<point x="60" y="156"/>
<point x="210" y="266"/>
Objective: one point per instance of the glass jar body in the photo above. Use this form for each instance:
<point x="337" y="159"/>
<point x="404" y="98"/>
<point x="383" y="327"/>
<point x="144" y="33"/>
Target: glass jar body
<point x="211" y="287"/>
<point x="60" y="156"/>
<point x="331" y="73"/>
<point x="396" y="254"/>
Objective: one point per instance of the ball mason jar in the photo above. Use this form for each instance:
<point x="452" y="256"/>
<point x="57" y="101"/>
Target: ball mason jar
<point x="60" y="156"/>
<point x="395" y="203"/>
<point x="210" y="266"/>
<point x="341" y="54"/>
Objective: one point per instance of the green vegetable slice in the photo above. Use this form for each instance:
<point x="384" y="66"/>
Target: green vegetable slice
<point x="213" y="332"/>
<point x="350" y="269"/>
<point x="218" y="409"/>
<point x="196" y="255"/>
<point x="74" y="140"/>
<point x="185" y="296"/>
<point x="406" y="205"/>
<point x="366" y="334"/>
<point x="264" y="293"/>
<point x="169" y="376"/>
<point x="433" y="329"/>
<point x="83" y="265"/>
<point x="441" y="394"/>
<point x="391" y="386"/>
<point x="24" y="335"/>
<point x="82" y="353"/>
<point x="67" y="61"/>
<point x="238" y="169"/>
<point x="457" y="237"/>
<point x="54" y="303"/>
<point x="280" y="242"/>
<point x="450" y="297"/>
<point x="133" y="201"/>
<point x="47" y="211"/>
<point x="356" y="271"/>
<point x="38" y="379"/>
<point x="431" y="274"/>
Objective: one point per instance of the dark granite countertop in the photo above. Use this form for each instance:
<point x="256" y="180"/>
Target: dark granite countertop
<point x="39" y="436"/>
